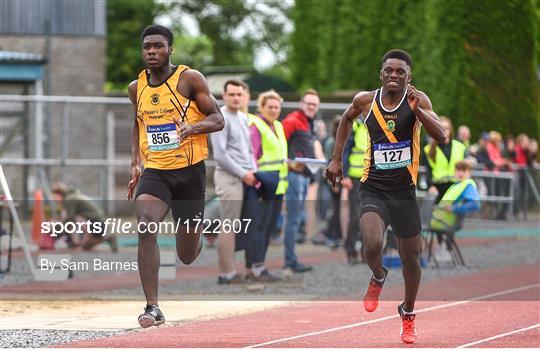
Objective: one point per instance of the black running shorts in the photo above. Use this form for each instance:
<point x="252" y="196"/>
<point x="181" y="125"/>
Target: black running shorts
<point x="183" y="190"/>
<point x="398" y="209"/>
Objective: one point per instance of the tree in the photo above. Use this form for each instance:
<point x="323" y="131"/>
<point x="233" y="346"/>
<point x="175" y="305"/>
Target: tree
<point x="238" y="28"/>
<point x="304" y="57"/>
<point x="193" y="51"/>
<point x="125" y="21"/>
<point x="485" y="65"/>
<point x="477" y="60"/>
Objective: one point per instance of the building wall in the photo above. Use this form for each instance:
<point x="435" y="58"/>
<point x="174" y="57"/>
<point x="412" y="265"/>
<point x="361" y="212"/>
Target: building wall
<point x="75" y="66"/>
<point x="70" y="17"/>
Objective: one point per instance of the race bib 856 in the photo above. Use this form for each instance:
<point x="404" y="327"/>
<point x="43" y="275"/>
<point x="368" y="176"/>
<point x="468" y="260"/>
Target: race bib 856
<point x="162" y="137"/>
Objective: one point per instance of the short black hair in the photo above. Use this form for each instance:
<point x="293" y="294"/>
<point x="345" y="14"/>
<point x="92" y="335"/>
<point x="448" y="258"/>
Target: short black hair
<point x="235" y="82"/>
<point x="154" y="29"/>
<point x="399" y="54"/>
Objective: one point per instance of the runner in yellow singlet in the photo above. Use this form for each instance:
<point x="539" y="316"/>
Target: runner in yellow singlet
<point x="174" y="111"/>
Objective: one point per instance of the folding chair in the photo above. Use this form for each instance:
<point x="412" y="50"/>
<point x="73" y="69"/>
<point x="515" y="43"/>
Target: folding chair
<point x="448" y="233"/>
<point x="449" y="238"/>
<point x="426" y="213"/>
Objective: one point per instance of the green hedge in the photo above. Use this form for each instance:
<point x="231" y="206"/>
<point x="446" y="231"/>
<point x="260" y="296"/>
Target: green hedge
<point x="475" y="59"/>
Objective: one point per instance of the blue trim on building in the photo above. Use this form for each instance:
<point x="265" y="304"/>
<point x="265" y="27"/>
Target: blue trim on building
<point x="21" y="72"/>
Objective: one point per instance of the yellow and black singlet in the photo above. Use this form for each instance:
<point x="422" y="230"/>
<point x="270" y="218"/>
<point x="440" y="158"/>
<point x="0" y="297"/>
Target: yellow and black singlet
<point x="391" y="160"/>
<point x="158" y="139"/>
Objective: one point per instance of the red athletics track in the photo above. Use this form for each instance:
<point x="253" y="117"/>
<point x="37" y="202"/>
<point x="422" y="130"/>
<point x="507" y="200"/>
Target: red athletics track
<point x="495" y="308"/>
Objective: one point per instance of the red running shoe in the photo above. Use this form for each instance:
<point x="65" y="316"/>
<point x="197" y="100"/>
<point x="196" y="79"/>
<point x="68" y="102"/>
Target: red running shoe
<point x="408" y="329"/>
<point x="373" y="291"/>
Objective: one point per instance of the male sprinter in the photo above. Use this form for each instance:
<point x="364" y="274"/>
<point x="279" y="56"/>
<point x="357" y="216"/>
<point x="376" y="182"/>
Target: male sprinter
<point x="174" y="111"/>
<point x="393" y="115"/>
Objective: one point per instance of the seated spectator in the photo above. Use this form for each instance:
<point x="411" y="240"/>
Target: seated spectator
<point x="79" y="208"/>
<point x="461" y="198"/>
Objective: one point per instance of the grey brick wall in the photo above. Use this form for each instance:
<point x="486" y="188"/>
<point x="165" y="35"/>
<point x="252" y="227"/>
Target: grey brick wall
<point x="76" y="66"/>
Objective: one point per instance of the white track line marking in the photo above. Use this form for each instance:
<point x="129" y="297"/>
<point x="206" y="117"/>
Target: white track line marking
<point x="432" y="308"/>
<point x="498" y="336"/>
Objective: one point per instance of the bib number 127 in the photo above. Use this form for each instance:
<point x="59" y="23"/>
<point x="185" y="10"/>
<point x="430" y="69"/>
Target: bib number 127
<point x="392" y="156"/>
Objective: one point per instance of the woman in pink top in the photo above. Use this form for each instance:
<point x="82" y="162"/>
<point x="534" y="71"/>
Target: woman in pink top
<point x="495" y="153"/>
<point x="498" y="187"/>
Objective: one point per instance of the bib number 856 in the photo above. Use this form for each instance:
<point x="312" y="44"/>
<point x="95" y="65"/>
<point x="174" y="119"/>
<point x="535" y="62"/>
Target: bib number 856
<point x="160" y="138"/>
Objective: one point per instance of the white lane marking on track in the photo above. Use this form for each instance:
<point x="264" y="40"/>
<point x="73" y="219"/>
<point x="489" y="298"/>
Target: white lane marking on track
<point x="432" y="308"/>
<point x="498" y="336"/>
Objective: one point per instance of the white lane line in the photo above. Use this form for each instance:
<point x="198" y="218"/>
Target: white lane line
<point x="432" y="308"/>
<point x="498" y="336"/>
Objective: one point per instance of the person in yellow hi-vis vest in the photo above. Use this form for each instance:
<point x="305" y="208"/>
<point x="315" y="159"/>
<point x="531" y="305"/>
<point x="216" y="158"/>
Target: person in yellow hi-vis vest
<point x="440" y="161"/>
<point x="270" y="152"/>
<point x="173" y="113"/>
<point x="353" y="168"/>
<point x="460" y="198"/>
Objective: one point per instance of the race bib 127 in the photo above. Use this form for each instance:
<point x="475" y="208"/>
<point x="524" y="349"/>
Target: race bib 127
<point x="162" y="137"/>
<point x="392" y="155"/>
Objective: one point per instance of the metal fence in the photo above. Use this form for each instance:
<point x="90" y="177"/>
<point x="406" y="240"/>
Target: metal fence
<point x="111" y="158"/>
<point x="53" y="119"/>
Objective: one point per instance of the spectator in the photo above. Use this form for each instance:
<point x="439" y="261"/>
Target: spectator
<point x="309" y="214"/>
<point x="533" y="152"/>
<point x="479" y="152"/>
<point x="495" y="151"/>
<point x="464" y="135"/>
<point x="353" y="168"/>
<point x="509" y="147"/>
<point x="440" y="161"/>
<point x="320" y="131"/>
<point x="520" y="158"/>
<point x="298" y="127"/>
<point x="270" y="151"/>
<point x="322" y="198"/>
<point x="499" y="187"/>
<point x="460" y="198"/>
<point x="521" y="150"/>
<point x="235" y="167"/>
<point x="79" y="208"/>
<point x="332" y="235"/>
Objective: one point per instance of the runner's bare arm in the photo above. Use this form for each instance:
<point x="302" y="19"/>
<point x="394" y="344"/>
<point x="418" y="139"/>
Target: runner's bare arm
<point x="422" y="108"/>
<point x="357" y="107"/>
<point x="197" y="89"/>
<point x="135" y="152"/>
